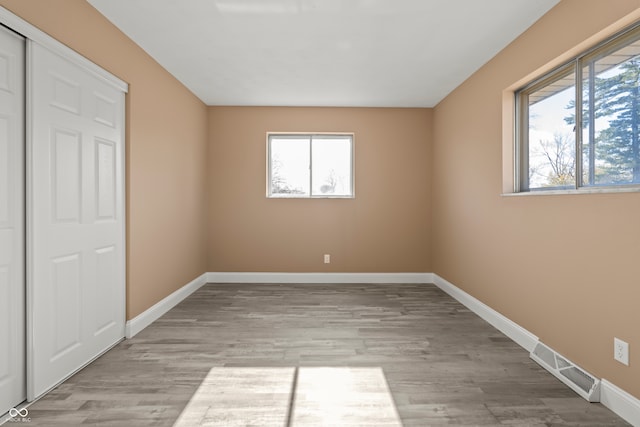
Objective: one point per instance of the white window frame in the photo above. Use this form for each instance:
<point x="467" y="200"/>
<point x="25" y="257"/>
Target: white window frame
<point x="311" y="136"/>
<point x="577" y="63"/>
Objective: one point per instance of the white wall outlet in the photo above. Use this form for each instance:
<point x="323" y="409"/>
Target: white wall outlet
<point x="327" y="258"/>
<point x="621" y="351"/>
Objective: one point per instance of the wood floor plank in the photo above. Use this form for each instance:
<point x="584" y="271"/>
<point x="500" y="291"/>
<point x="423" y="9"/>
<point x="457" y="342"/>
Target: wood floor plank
<point x="443" y="365"/>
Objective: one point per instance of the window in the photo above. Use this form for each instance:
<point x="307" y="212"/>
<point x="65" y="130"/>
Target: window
<point x="305" y="165"/>
<point x="579" y="126"/>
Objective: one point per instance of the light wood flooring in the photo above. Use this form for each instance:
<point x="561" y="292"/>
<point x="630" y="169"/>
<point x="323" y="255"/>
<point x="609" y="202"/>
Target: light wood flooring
<point x="303" y="355"/>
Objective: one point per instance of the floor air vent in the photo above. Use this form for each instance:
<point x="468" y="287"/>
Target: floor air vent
<point x="580" y="381"/>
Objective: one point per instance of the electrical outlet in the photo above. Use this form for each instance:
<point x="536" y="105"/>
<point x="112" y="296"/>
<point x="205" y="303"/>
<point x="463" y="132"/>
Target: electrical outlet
<point x="621" y="351"/>
<point x="327" y="258"/>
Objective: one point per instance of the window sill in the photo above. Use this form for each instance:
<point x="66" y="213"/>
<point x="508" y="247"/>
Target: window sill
<point x="583" y="190"/>
<point x="310" y="197"/>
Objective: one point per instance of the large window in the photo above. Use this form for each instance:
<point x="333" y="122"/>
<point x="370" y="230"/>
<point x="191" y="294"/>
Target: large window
<point x="579" y="126"/>
<point x="306" y="165"/>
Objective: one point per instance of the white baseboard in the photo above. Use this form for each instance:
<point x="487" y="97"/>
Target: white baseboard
<point x="619" y="401"/>
<point x="319" y="277"/>
<point x="144" y="319"/>
<point x="517" y="333"/>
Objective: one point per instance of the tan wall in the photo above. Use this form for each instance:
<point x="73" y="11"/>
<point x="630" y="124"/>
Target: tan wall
<point x="166" y="147"/>
<point x="564" y="267"/>
<point x="384" y="229"/>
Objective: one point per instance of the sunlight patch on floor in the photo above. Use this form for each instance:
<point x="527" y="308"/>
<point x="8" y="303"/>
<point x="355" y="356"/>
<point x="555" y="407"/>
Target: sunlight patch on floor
<point x="343" y="397"/>
<point x="313" y="396"/>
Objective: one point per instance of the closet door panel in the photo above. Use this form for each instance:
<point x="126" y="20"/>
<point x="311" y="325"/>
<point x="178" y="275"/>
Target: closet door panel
<point x="12" y="235"/>
<point x="78" y="275"/>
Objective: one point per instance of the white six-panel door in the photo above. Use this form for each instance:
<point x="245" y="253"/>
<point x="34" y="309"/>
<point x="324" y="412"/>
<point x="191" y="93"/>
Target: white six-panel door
<point x="76" y="229"/>
<point x="12" y="234"/>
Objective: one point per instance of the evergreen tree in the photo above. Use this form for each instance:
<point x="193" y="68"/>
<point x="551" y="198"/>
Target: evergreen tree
<point x="617" y="148"/>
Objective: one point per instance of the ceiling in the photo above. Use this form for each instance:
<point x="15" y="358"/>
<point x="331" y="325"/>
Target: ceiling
<point x="360" y="53"/>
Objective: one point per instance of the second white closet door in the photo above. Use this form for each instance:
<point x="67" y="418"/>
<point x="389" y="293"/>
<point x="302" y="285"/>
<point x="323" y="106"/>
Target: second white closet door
<point x="76" y="273"/>
<point x="12" y="236"/>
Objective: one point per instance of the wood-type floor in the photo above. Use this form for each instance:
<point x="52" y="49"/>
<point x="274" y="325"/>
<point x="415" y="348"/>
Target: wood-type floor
<point x="313" y="355"/>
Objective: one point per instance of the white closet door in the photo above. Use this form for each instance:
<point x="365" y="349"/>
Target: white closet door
<point x="12" y="237"/>
<point x="76" y="199"/>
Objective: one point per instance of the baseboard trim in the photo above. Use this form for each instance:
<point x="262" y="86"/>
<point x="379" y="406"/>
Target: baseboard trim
<point x="144" y="319"/>
<point x="517" y="333"/>
<point x="617" y="400"/>
<point x="620" y="402"/>
<point x="230" y="277"/>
